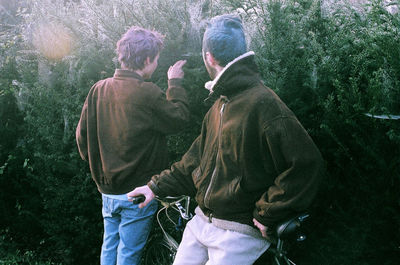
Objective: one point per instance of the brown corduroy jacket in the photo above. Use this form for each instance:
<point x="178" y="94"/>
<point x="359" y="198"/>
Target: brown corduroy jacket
<point x="123" y="126"/>
<point x="253" y="158"/>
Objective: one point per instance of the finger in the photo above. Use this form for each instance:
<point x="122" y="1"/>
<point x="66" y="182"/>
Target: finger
<point x="144" y="204"/>
<point x="264" y="233"/>
<point x="181" y="63"/>
<point x="137" y="191"/>
<point x="133" y="193"/>
<point x="175" y="64"/>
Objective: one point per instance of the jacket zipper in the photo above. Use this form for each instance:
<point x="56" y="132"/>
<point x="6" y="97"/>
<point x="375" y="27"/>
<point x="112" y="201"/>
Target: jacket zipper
<point x="215" y="171"/>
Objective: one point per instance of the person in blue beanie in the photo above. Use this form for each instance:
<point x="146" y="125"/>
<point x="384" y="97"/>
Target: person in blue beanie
<point x="252" y="166"/>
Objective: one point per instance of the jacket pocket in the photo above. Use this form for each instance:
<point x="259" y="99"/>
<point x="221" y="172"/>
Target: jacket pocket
<point x="241" y="198"/>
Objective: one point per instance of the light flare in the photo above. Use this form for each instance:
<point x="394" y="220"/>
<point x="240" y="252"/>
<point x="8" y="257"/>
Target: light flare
<point x="54" y="41"/>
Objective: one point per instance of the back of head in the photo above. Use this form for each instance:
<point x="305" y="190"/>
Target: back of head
<point x="224" y="38"/>
<point x="136" y="45"/>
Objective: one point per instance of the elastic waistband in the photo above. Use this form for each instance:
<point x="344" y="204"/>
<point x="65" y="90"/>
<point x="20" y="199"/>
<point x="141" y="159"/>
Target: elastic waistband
<point x="229" y="225"/>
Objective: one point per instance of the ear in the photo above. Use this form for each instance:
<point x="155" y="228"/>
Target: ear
<point x="211" y="59"/>
<point x="147" y="61"/>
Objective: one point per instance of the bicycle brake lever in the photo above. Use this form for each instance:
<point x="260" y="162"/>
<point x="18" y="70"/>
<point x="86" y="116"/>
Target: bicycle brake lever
<point x="138" y="199"/>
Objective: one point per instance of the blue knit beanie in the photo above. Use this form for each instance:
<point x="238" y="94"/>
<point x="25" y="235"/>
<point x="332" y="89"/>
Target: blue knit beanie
<point x="224" y="38"/>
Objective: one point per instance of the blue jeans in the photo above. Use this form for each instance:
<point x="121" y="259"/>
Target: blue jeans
<point x="126" y="229"/>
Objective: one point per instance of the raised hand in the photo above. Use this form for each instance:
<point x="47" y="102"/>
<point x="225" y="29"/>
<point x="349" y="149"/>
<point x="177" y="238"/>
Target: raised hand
<point x="175" y="71"/>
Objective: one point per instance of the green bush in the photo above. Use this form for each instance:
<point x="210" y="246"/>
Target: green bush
<point x="330" y="66"/>
<point x="332" y="69"/>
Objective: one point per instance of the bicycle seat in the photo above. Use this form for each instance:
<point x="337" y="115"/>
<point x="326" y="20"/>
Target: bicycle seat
<point x="290" y="226"/>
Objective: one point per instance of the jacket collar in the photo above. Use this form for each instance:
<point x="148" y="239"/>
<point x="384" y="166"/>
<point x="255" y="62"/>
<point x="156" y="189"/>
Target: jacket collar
<point x="124" y="73"/>
<point x="211" y="84"/>
<point x="238" y="75"/>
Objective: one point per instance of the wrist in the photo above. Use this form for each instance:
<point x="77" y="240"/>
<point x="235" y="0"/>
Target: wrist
<point x="175" y="82"/>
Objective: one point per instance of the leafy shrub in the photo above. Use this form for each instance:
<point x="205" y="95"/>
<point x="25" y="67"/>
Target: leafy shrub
<point x="330" y="67"/>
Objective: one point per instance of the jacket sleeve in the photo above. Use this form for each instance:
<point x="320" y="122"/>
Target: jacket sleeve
<point x="170" y="111"/>
<point x="81" y="133"/>
<point x="299" y="168"/>
<point x="178" y="180"/>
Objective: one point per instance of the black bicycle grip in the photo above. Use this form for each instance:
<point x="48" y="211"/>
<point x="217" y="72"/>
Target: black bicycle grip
<point x="138" y="199"/>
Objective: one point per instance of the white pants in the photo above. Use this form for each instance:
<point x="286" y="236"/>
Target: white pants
<point x="203" y="243"/>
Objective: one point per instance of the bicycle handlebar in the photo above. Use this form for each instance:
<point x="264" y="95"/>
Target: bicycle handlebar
<point x="168" y="201"/>
<point x="176" y="201"/>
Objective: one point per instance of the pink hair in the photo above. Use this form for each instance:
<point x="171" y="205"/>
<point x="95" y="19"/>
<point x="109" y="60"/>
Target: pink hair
<point x="136" y="45"/>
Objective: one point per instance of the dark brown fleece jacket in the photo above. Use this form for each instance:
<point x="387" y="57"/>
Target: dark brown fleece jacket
<point x="253" y="158"/>
<point x="123" y="126"/>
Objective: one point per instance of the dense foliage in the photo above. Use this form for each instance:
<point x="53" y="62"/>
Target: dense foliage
<point x="330" y="64"/>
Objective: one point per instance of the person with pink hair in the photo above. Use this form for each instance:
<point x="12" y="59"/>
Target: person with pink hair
<point x="122" y="134"/>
